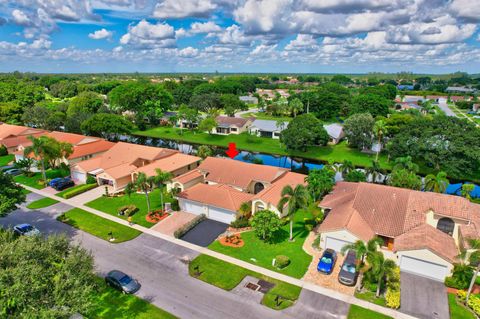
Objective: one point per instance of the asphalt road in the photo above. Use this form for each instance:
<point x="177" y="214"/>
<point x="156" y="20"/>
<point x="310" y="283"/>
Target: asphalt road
<point x="444" y="107"/>
<point x="159" y="266"/>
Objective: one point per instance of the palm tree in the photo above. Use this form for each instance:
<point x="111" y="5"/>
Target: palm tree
<point x="296" y="198"/>
<point x="466" y="190"/>
<point x="39" y="148"/>
<point x="436" y="183"/>
<point x="346" y="167"/>
<point x="405" y="163"/>
<point x="379" y="129"/>
<point x="159" y="180"/>
<point x="145" y="184"/>
<point x="363" y="250"/>
<point x="374" y="171"/>
<point x="244" y="211"/>
<point x="474" y="244"/>
<point x="380" y="267"/>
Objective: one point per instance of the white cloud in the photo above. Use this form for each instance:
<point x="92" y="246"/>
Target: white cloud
<point x="100" y="34"/>
<point x="19" y="17"/>
<point x="209" y="27"/>
<point x="184" y="8"/>
<point x="188" y="52"/>
<point x="469" y="9"/>
<point x="302" y="42"/>
<point x="148" y="35"/>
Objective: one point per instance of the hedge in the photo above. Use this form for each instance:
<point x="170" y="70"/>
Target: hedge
<point x="79" y="190"/>
<point x="128" y="210"/>
<point x="188" y="226"/>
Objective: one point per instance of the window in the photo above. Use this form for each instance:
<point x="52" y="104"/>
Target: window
<point x="446" y="225"/>
<point x="258" y="188"/>
<point x="233" y="129"/>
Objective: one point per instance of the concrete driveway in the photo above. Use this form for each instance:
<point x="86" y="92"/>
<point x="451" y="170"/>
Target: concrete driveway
<point x="169" y="225"/>
<point x="315" y="306"/>
<point x="423" y="298"/>
<point x="205" y="233"/>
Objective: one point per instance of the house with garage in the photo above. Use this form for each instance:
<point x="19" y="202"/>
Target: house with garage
<point x="267" y="128"/>
<point x="11" y="136"/>
<point x="335" y="132"/>
<point x="219" y="186"/>
<point x="120" y="164"/>
<point x="422" y="231"/>
<point x="231" y="125"/>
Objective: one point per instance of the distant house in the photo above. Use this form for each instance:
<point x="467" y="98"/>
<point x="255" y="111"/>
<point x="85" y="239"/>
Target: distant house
<point x="11" y="136"/>
<point x="413" y="98"/>
<point x="335" y="132"/>
<point x="401" y="106"/>
<point x="475" y="107"/>
<point x="267" y="128"/>
<point x="459" y="89"/>
<point x="248" y="99"/>
<point x="405" y="87"/>
<point x="231" y="125"/>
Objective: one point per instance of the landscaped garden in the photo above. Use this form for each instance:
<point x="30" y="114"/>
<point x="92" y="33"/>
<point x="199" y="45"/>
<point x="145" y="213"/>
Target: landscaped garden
<point x="75" y="190"/>
<point x="110" y="303"/>
<point x="36" y="180"/>
<point x="112" y="205"/>
<point x="41" y="203"/>
<point x="227" y="276"/>
<point x="98" y="226"/>
<point x="6" y="159"/>
<point x="457" y="310"/>
<point x="261" y="253"/>
<point x="357" y="312"/>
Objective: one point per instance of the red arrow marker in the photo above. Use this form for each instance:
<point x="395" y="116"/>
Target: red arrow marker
<point x="232" y="150"/>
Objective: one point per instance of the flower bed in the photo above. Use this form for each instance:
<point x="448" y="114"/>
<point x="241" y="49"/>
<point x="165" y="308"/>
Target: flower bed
<point x="232" y="241"/>
<point x="156" y="216"/>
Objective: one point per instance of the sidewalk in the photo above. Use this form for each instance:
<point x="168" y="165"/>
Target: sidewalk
<point x="297" y="282"/>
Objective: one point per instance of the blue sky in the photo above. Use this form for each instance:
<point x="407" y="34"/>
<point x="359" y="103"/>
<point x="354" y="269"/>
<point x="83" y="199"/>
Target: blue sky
<point x="345" y="36"/>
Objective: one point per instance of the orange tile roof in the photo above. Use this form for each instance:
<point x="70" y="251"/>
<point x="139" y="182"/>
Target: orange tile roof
<point x="91" y="148"/>
<point x="15" y="141"/>
<point x="121" y="170"/>
<point x="169" y="164"/>
<point x="273" y="193"/>
<point x="71" y="138"/>
<point x="8" y="130"/>
<point x="187" y="177"/>
<point x="236" y="173"/>
<point x="428" y="237"/>
<point x="221" y="196"/>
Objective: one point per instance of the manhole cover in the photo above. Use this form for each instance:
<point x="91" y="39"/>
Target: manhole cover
<point x="252" y="286"/>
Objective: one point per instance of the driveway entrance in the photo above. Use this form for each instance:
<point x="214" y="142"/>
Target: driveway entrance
<point x="205" y="233"/>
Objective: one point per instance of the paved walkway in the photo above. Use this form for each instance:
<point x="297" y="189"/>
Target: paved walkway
<point x="239" y="114"/>
<point x="88" y="196"/>
<point x="173" y="222"/>
<point x="297" y="282"/>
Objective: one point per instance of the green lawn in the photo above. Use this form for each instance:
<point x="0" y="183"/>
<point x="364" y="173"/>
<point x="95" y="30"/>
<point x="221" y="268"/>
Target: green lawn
<point x="111" y="205"/>
<point x="98" y="226"/>
<point x="35" y="180"/>
<point x="330" y="153"/>
<point x="41" y="203"/>
<point x="110" y="303"/>
<point x="458" y="311"/>
<point x="263" y="253"/>
<point x="227" y="276"/>
<point x="6" y="159"/>
<point x="263" y="116"/>
<point x="357" y="312"/>
<point x="370" y="297"/>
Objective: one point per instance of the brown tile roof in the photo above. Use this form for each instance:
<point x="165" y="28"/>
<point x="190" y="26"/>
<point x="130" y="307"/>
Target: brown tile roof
<point x="273" y="193"/>
<point x="221" y="196"/>
<point x="236" y="173"/>
<point x="71" y="138"/>
<point x="15" y="141"/>
<point x="228" y="120"/>
<point x="91" y="148"/>
<point x="428" y="237"/>
<point x="7" y="130"/>
<point x="187" y="177"/>
<point x="170" y="163"/>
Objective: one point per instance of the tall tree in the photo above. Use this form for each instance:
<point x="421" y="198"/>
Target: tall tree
<point x="304" y="131"/>
<point x="467" y="188"/>
<point x="145" y="185"/>
<point x="358" y="130"/>
<point x="295" y="106"/>
<point x="379" y="130"/>
<point x="295" y="199"/>
<point x="160" y="179"/>
<point x="436" y="183"/>
<point x="109" y="126"/>
<point x="405" y="178"/>
<point x="374" y="171"/>
<point x="363" y="250"/>
<point x="320" y="182"/>
<point x="374" y="104"/>
<point x="40" y="149"/>
<point x="381" y="268"/>
<point x="207" y="124"/>
<point x="11" y="195"/>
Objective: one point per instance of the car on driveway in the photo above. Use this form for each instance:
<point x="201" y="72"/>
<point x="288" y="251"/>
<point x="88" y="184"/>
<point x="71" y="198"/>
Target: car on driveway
<point x="63" y="184"/>
<point x="25" y="230"/>
<point x="6" y="167"/>
<point x="348" y="272"/>
<point x="55" y="181"/>
<point x="123" y="282"/>
<point x="327" y="261"/>
<point x="13" y="172"/>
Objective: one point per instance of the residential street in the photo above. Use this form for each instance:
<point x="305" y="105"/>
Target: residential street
<point x="158" y="265"/>
<point x="444" y="107"/>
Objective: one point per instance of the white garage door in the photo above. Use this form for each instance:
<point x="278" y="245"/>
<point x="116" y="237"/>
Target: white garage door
<point x="79" y="176"/>
<point x="335" y="244"/>
<point x="221" y="215"/>
<point x="423" y="268"/>
<point x="191" y="207"/>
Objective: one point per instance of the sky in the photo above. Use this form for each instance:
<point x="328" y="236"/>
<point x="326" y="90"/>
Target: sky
<point x="285" y="36"/>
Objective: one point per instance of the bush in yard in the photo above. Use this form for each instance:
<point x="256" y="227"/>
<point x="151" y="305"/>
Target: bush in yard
<point x="3" y="150"/>
<point x="461" y="277"/>
<point x="240" y="223"/>
<point x="462" y="296"/>
<point x="79" y="190"/>
<point x="265" y="223"/>
<point x="316" y="242"/>
<point x="282" y="261"/>
<point x="188" y="226"/>
<point x="128" y="210"/>
<point x="393" y="281"/>
<point x="174" y="205"/>
<point x="91" y="179"/>
<point x="392" y="298"/>
<point x="474" y="304"/>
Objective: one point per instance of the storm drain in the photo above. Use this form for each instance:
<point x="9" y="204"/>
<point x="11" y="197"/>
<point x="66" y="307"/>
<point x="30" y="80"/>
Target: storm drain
<point x="252" y="286"/>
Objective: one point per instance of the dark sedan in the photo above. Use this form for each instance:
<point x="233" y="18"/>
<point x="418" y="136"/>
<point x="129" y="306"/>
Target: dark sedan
<point x="348" y="273"/>
<point x="63" y="184"/>
<point x="121" y="281"/>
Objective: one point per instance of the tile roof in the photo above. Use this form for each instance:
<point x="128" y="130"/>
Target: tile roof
<point x="221" y="196"/>
<point x="170" y="163"/>
<point x="272" y="194"/>
<point x="121" y="170"/>
<point x="428" y="237"/>
<point x="15" y="141"/>
<point x="228" y="121"/>
<point x="91" y="148"/>
<point x="236" y="173"/>
<point x="71" y="138"/>
<point x="187" y="177"/>
<point x="8" y="130"/>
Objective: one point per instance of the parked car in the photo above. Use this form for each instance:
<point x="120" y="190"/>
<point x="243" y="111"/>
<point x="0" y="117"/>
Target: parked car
<point x="121" y="281"/>
<point x="13" y="172"/>
<point x="327" y="261"/>
<point x="348" y="272"/>
<point x="63" y="184"/>
<point x="6" y="167"/>
<point x="25" y="230"/>
<point x="55" y="181"/>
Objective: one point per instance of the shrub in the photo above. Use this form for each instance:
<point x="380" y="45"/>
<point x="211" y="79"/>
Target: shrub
<point x="265" y="223"/>
<point x="309" y="223"/>
<point x="462" y="295"/>
<point x="240" y="223"/>
<point x="393" y="281"/>
<point x="128" y="210"/>
<point x="174" y="205"/>
<point x="188" y="226"/>
<point x="316" y="243"/>
<point x="282" y="261"/>
<point x="3" y="150"/>
<point x="392" y="298"/>
<point x="91" y="180"/>
<point x="78" y="190"/>
<point x="55" y="173"/>
<point x="474" y="304"/>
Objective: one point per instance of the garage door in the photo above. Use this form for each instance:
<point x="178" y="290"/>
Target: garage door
<point x="79" y="176"/>
<point x="335" y="244"/>
<point x="191" y="207"/>
<point x="221" y="215"/>
<point x="423" y="268"/>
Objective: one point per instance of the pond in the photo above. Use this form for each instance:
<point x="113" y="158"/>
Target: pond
<point x="299" y="165"/>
